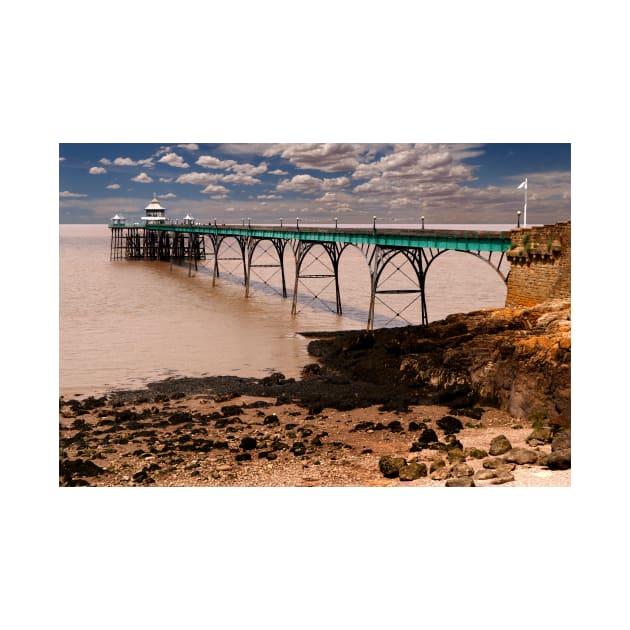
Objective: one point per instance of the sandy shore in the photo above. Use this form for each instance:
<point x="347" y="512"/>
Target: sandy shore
<point x="218" y="440"/>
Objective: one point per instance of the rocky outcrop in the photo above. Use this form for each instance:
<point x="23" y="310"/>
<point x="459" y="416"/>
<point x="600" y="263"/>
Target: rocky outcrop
<point x="517" y="359"/>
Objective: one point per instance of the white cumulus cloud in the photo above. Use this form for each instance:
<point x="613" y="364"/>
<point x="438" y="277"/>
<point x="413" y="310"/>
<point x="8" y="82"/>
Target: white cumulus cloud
<point x="328" y="157"/>
<point x="249" y="169"/>
<point x="214" y="189"/>
<point x="239" y="178"/>
<point x="97" y="170"/>
<point x="209" y="161"/>
<point x="199" y="179"/>
<point x="125" y="161"/>
<point x="113" y="186"/>
<point x="312" y="185"/>
<point x="143" y="178"/>
<point x="172" y="159"/>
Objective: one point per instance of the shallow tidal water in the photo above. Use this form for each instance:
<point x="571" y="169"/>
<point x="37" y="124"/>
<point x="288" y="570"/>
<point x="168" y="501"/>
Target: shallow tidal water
<point x="126" y="323"/>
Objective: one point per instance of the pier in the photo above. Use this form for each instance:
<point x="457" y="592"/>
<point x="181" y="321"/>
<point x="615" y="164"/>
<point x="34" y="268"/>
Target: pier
<point x="187" y="241"/>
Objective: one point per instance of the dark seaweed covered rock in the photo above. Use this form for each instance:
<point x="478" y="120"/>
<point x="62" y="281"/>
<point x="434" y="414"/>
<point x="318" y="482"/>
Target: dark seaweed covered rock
<point x="298" y="448"/>
<point x="428" y="436"/>
<point x="449" y="424"/>
<point x="363" y="426"/>
<point x="180" y="417"/>
<point x="80" y="467"/>
<point x="248" y="443"/>
<point x="231" y="410"/>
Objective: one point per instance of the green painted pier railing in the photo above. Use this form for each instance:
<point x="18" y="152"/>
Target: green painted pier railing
<point x="439" y="239"/>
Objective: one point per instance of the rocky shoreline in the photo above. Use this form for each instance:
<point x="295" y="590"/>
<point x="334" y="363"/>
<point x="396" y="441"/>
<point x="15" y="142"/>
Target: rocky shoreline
<point x="472" y="400"/>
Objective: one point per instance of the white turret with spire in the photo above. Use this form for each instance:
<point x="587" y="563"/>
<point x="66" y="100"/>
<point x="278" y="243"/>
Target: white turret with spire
<point x="154" y="212"/>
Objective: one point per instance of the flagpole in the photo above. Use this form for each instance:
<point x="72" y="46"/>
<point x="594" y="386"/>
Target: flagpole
<point x="525" y="208"/>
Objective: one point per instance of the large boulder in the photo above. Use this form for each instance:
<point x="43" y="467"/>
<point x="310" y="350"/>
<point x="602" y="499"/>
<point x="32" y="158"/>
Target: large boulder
<point x="559" y="460"/>
<point x="561" y="441"/>
<point x="540" y="436"/>
<point x="499" y="445"/>
<point x="412" y="471"/>
<point x="462" y="469"/>
<point x="390" y="466"/>
<point x="521" y="456"/>
<point x="460" y="482"/>
<point x="442" y="473"/>
<point x="503" y="476"/>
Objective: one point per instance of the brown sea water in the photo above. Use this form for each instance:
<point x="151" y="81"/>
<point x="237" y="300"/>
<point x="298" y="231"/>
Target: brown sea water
<point x="126" y="323"/>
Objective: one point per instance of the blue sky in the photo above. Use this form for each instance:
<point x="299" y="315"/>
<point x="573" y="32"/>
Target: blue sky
<point x="398" y="183"/>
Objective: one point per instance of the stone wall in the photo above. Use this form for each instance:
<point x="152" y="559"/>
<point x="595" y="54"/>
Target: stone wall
<point x="540" y="261"/>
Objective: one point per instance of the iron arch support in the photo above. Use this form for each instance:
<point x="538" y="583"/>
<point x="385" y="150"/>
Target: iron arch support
<point x="380" y="258"/>
<point x="242" y="242"/>
<point x="480" y="256"/>
<point x="300" y="250"/>
<point x="279" y="245"/>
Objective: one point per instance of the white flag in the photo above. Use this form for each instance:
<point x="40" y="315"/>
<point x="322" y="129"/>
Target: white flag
<point x="523" y="185"/>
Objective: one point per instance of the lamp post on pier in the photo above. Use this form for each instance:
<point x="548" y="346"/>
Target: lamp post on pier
<point x="374" y="223"/>
<point x="336" y="223"/>
<point x="297" y="223"/>
<point x="518" y="219"/>
<point x="422" y="220"/>
<point x="281" y="220"/>
<point x="249" y="223"/>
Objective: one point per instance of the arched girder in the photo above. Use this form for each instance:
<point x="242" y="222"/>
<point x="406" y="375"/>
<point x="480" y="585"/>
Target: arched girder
<point x="413" y="256"/>
<point x="482" y="256"/>
<point x="242" y="242"/>
<point x="379" y="258"/>
<point x="279" y="245"/>
<point x="420" y="259"/>
<point x="300" y="250"/>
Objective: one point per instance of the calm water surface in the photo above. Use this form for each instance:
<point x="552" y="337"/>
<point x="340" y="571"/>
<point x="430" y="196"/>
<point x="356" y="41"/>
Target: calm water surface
<point x="126" y="323"/>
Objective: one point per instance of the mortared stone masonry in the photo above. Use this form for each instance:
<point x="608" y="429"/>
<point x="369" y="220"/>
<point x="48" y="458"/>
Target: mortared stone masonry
<point x="540" y="259"/>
